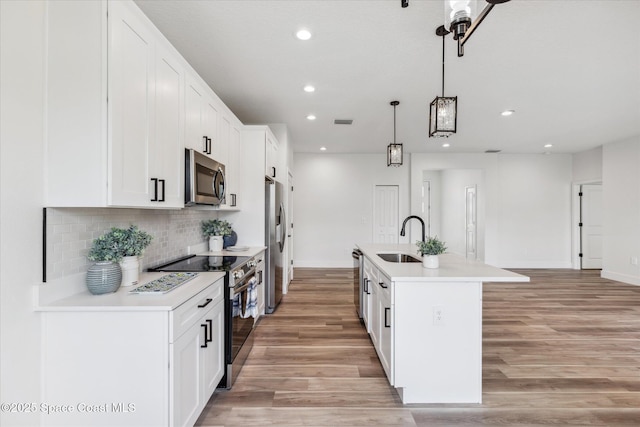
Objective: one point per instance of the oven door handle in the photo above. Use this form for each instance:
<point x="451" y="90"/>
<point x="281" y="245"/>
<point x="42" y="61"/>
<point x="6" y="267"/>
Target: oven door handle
<point x="245" y="285"/>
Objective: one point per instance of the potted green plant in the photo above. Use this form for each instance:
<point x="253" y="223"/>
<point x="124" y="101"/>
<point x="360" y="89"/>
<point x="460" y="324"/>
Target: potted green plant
<point x="215" y="230"/>
<point x="123" y="246"/>
<point x="430" y="249"/>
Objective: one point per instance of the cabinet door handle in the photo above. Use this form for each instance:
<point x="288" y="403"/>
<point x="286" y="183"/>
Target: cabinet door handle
<point x="210" y="337"/>
<point x="382" y="285"/>
<point x="366" y="286"/>
<point x="387" y="324"/>
<point x="233" y="199"/>
<point x="209" y="146"/>
<point x="162" y="181"/>
<point x="204" y="325"/>
<point x="205" y="144"/>
<point x="206" y="303"/>
<point x="155" y="189"/>
<point x="273" y="171"/>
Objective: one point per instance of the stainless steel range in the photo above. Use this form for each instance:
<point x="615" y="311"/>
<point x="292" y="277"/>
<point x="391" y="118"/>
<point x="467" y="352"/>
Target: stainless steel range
<point x="240" y="271"/>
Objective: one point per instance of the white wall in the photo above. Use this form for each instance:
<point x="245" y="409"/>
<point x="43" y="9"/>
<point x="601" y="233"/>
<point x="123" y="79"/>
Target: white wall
<point x="453" y="208"/>
<point x="21" y="200"/>
<point x="333" y="204"/>
<point x="587" y="166"/>
<point x="621" y="199"/>
<point x="527" y="222"/>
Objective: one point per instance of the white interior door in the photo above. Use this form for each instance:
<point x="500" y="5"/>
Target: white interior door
<point x="425" y="206"/>
<point x="471" y="218"/>
<point x="385" y="214"/>
<point x="290" y="236"/>
<point x="591" y="226"/>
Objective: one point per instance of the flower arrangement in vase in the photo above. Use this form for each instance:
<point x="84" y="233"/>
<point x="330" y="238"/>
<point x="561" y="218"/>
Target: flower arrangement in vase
<point x="430" y="249"/>
<point x="122" y="246"/>
<point x="216" y="230"/>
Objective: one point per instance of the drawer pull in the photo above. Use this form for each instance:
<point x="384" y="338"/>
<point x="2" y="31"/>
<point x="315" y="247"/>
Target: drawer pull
<point x="205" y="335"/>
<point x="206" y="303"/>
<point x="387" y="324"/>
<point x="210" y="337"/>
<point x="382" y="285"/>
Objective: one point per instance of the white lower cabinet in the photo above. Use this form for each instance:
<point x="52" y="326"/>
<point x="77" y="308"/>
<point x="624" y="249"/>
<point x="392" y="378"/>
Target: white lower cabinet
<point x="381" y="320"/>
<point x="132" y="365"/>
<point x="197" y="365"/>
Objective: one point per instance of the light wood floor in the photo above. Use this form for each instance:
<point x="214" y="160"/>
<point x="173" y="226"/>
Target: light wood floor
<point x="561" y="350"/>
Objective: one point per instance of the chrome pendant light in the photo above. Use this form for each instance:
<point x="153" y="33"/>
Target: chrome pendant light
<point x="394" y="150"/>
<point x="443" y="110"/>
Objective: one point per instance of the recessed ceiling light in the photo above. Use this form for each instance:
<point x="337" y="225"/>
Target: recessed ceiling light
<point x="508" y="112"/>
<point x="323" y="148"/>
<point x="309" y="88"/>
<point x="446" y="145"/>
<point x="311" y="117"/>
<point x="303" y="34"/>
<point x="548" y="145"/>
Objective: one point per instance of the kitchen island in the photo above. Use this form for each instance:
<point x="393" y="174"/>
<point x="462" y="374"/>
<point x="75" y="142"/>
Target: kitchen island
<point x="426" y="324"/>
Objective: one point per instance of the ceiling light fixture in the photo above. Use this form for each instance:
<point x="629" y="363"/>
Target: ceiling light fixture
<point x="507" y="113"/>
<point x="309" y="88"/>
<point x="462" y="19"/>
<point x="548" y="145"/>
<point x="311" y="117"/>
<point x="323" y="148"/>
<point x="303" y="34"/>
<point x="394" y="150"/>
<point x="443" y="110"/>
<point x="446" y="145"/>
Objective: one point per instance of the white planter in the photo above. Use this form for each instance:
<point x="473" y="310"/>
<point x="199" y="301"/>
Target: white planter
<point x="130" y="266"/>
<point x="215" y="243"/>
<point x="430" y="261"/>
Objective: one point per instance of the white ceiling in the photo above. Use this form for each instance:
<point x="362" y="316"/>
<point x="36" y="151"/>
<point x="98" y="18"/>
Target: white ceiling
<point x="570" y="69"/>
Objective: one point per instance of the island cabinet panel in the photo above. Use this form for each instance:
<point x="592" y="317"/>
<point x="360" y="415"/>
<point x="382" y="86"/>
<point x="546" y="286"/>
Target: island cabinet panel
<point x="438" y="342"/>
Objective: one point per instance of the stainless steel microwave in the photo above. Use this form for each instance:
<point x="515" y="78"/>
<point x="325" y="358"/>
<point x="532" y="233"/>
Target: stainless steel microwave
<point x="204" y="180"/>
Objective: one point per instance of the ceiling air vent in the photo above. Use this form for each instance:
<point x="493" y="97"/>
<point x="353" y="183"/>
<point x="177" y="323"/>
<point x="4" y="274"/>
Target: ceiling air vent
<point x="342" y="122"/>
<point x="493" y="151"/>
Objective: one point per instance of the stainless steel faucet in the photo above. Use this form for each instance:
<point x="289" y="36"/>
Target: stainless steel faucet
<point x="415" y="217"/>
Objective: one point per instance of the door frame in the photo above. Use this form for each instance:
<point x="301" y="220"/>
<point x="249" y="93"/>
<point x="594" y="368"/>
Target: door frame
<point x="575" y="221"/>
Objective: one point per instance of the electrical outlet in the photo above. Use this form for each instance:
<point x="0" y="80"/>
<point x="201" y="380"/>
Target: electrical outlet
<point x="438" y="315"/>
<point x="633" y="260"/>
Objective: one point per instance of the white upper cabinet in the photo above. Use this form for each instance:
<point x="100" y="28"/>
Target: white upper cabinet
<point x="146" y="114"/>
<point x="136" y="159"/>
<point x="271" y="158"/>
<point x="202" y="115"/>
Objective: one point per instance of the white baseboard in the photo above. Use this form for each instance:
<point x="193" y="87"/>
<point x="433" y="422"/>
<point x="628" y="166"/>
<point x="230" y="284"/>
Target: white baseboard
<point x="620" y="277"/>
<point x="322" y="264"/>
<point x="531" y="264"/>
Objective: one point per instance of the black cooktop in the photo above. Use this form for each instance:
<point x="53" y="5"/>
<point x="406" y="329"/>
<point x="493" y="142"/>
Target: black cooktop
<point x="203" y="263"/>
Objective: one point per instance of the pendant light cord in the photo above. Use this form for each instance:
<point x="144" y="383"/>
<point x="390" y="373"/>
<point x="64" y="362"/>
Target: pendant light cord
<point x="394" y="124"/>
<point x="443" y="65"/>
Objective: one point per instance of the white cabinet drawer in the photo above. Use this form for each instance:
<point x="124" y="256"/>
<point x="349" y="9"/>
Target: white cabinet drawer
<point x="385" y="285"/>
<point x="188" y="313"/>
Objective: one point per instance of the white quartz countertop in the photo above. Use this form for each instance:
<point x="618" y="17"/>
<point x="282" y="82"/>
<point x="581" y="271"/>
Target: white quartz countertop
<point x="453" y="268"/>
<point x="122" y="300"/>
<point x="250" y="252"/>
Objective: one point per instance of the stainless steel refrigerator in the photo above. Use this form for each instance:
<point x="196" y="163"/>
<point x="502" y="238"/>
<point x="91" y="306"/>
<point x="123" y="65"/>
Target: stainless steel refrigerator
<point x="275" y="235"/>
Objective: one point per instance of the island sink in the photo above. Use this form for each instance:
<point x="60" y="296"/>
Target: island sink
<point x="398" y="257"/>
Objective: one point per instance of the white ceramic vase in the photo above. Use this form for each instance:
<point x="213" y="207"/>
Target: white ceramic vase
<point x="215" y="243"/>
<point x="430" y="261"/>
<point x="130" y="266"/>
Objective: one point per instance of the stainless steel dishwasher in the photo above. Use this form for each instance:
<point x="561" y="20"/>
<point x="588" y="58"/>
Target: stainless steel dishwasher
<point x="358" y="261"/>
